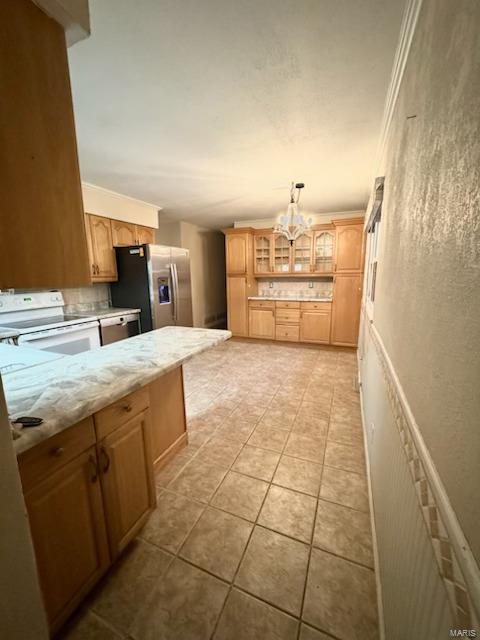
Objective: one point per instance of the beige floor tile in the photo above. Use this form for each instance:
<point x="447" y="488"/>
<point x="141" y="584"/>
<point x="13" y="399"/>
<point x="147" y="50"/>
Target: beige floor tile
<point x="198" y="480"/>
<point x="340" y="597"/>
<point x="343" y="456"/>
<point x="86" y="625"/>
<point x="319" y="409"/>
<point x="346" y="433"/>
<point x="259" y="463"/>
<point x="274" y="569"/>
<point x="311" y="426"/>
<point x="305" y="447"/>
<point x="297" y="474"/>
<point x="171" y="469"/>
<point x="172" y="520"/>
<point x="344" y="487"/>
<point x="247" y="413"/>
<point x="129" y="582"/>
<point x="246" y="618"/>
<point x="344" y="532"/>
<point x="289" y="512"/>
<point x="281" y="418"/>
<point x="220" y="451"/>
<point x="217" y="542"/>
<point x="308" y="633"/>
<point x="344" y="413"/>
<point x="267" y="437"/>
<point x="240" y="495"/>
<point x="185" y="605"/>
<point x="236" y="431"/>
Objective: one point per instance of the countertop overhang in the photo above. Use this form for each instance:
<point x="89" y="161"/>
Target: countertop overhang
<point x="66" y="391"/>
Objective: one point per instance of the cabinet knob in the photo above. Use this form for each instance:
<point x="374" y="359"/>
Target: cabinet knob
<point x="127" y="408"/>
<point x="57" y="452"/>
<point x="93" y="269"/>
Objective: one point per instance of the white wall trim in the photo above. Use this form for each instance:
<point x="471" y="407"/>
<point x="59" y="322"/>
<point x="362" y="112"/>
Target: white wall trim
<point x="95" y="187"/>
<point x="456" y="563"/>
<point x="407" y="30"/>
<point x="376" y="557"/>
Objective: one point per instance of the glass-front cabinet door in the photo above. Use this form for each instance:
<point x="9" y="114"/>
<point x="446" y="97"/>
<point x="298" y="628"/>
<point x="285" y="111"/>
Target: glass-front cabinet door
<point x="281" y="256"/>
<point x="302" y="254"/>
<point x="263" y="253"/>
<point x="323" y="251"/>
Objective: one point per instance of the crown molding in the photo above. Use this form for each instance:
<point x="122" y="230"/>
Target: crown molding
<point x="407" y="30"/>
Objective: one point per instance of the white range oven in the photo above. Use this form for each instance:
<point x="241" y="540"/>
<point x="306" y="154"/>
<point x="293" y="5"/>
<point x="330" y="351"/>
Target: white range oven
<point x="39" y="321"/>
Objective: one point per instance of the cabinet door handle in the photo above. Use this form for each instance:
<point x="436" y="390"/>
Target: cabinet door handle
<point x="93" y="464"/>
<point x="98" y="270"/>
<point x="93" y="269"/>
<point x="57" y="452"/>
<point x="105" y="456"/>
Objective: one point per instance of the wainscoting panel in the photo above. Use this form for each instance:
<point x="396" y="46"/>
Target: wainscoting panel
<point x="415" y="598"/>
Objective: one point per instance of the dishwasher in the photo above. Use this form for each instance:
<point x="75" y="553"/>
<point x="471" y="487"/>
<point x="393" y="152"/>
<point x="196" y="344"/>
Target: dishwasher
<point x="117" y="328"/>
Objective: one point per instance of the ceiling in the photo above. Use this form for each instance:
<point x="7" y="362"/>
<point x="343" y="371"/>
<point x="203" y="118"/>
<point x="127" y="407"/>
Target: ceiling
<point x="209" y="109"/>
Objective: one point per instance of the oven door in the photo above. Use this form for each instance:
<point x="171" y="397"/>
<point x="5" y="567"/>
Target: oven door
<point x="68" y="340"/>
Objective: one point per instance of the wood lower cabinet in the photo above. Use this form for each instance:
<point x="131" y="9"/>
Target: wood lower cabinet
<point x="261" y="323"/>
<point x="315" y="326"/>
<point x="100" y="248"/>
<point x="347" y="295"/>
<point x="67" y="523"/>
<point x="237" y="305"/>
<point x="169" y="425"/>
<point x="126" y="473"/>
<point x="124" y="234"/>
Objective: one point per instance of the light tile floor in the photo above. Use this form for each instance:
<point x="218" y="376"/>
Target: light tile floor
<point x="262" y="528"/>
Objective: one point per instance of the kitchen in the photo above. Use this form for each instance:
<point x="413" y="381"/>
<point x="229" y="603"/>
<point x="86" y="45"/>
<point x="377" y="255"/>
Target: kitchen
<point x="212" y="424"/>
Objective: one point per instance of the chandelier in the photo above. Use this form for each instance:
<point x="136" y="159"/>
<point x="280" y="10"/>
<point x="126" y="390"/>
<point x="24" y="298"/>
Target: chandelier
<point x="292" y="225"/>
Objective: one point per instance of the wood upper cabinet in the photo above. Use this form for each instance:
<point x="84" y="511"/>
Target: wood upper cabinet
<point x="100" y="245"/>
<point x="347" y="295"/>
<point x="42" y="239"/>
<point x="237" y="247"/>
<point x="237" y="305"/>
<point x="315" y="326"/>
<point x="323" y="251"/>
<point x="126" y="469"/>
<point x="145" y="235"/>
<point x="349" y="247"/>
<point x="302" y="254"/>
<point x="282" y="256"/>
<point x="65" y="512"/>
<point x="261" y="323"/>
<point x="263" y="253"/>
<point x="124" y="234"/>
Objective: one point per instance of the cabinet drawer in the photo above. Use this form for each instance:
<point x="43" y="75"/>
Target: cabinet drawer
<point x="40" y="461"/>
<point x="287" y="316"/>
<point x="261" y="304"/>
<point x="287" y="332"/>
<point x="283" y="304"/>
<point x="116" y="414"/>
<point x="318" y="306"/>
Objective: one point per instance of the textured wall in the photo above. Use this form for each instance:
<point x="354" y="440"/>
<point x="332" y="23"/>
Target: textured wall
<point x="427" y="307"/>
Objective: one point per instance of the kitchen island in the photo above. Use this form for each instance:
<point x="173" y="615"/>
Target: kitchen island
<point x="110" y="416"/>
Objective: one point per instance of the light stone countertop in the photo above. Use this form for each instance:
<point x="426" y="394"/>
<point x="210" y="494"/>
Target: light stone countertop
<point x="109" y="312"/>
<point x="8" y="333"/>
<point x="70" y="389"/>
<point x="291" y="298"/>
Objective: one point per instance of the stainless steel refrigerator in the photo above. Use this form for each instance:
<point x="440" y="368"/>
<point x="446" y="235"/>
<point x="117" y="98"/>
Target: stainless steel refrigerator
<point x="156" y="280"/>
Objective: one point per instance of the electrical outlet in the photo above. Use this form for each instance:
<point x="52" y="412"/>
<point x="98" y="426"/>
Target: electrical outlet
<point x="310" y="285"/>
<point x="270" y="284"/>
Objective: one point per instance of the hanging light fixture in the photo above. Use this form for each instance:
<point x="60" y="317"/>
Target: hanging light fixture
<point x="292" y="224"/>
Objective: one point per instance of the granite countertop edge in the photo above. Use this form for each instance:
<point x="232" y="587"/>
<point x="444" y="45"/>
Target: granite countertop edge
<point x="70" y="389"/>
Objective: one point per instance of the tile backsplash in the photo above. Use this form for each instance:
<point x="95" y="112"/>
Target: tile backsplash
<point x="283" y="287"/>
<point x="86" y="298"/>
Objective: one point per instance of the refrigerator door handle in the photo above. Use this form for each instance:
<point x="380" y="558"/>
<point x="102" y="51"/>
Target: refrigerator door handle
<point x="177" y="292"/>
<point x="173" y="275"/>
